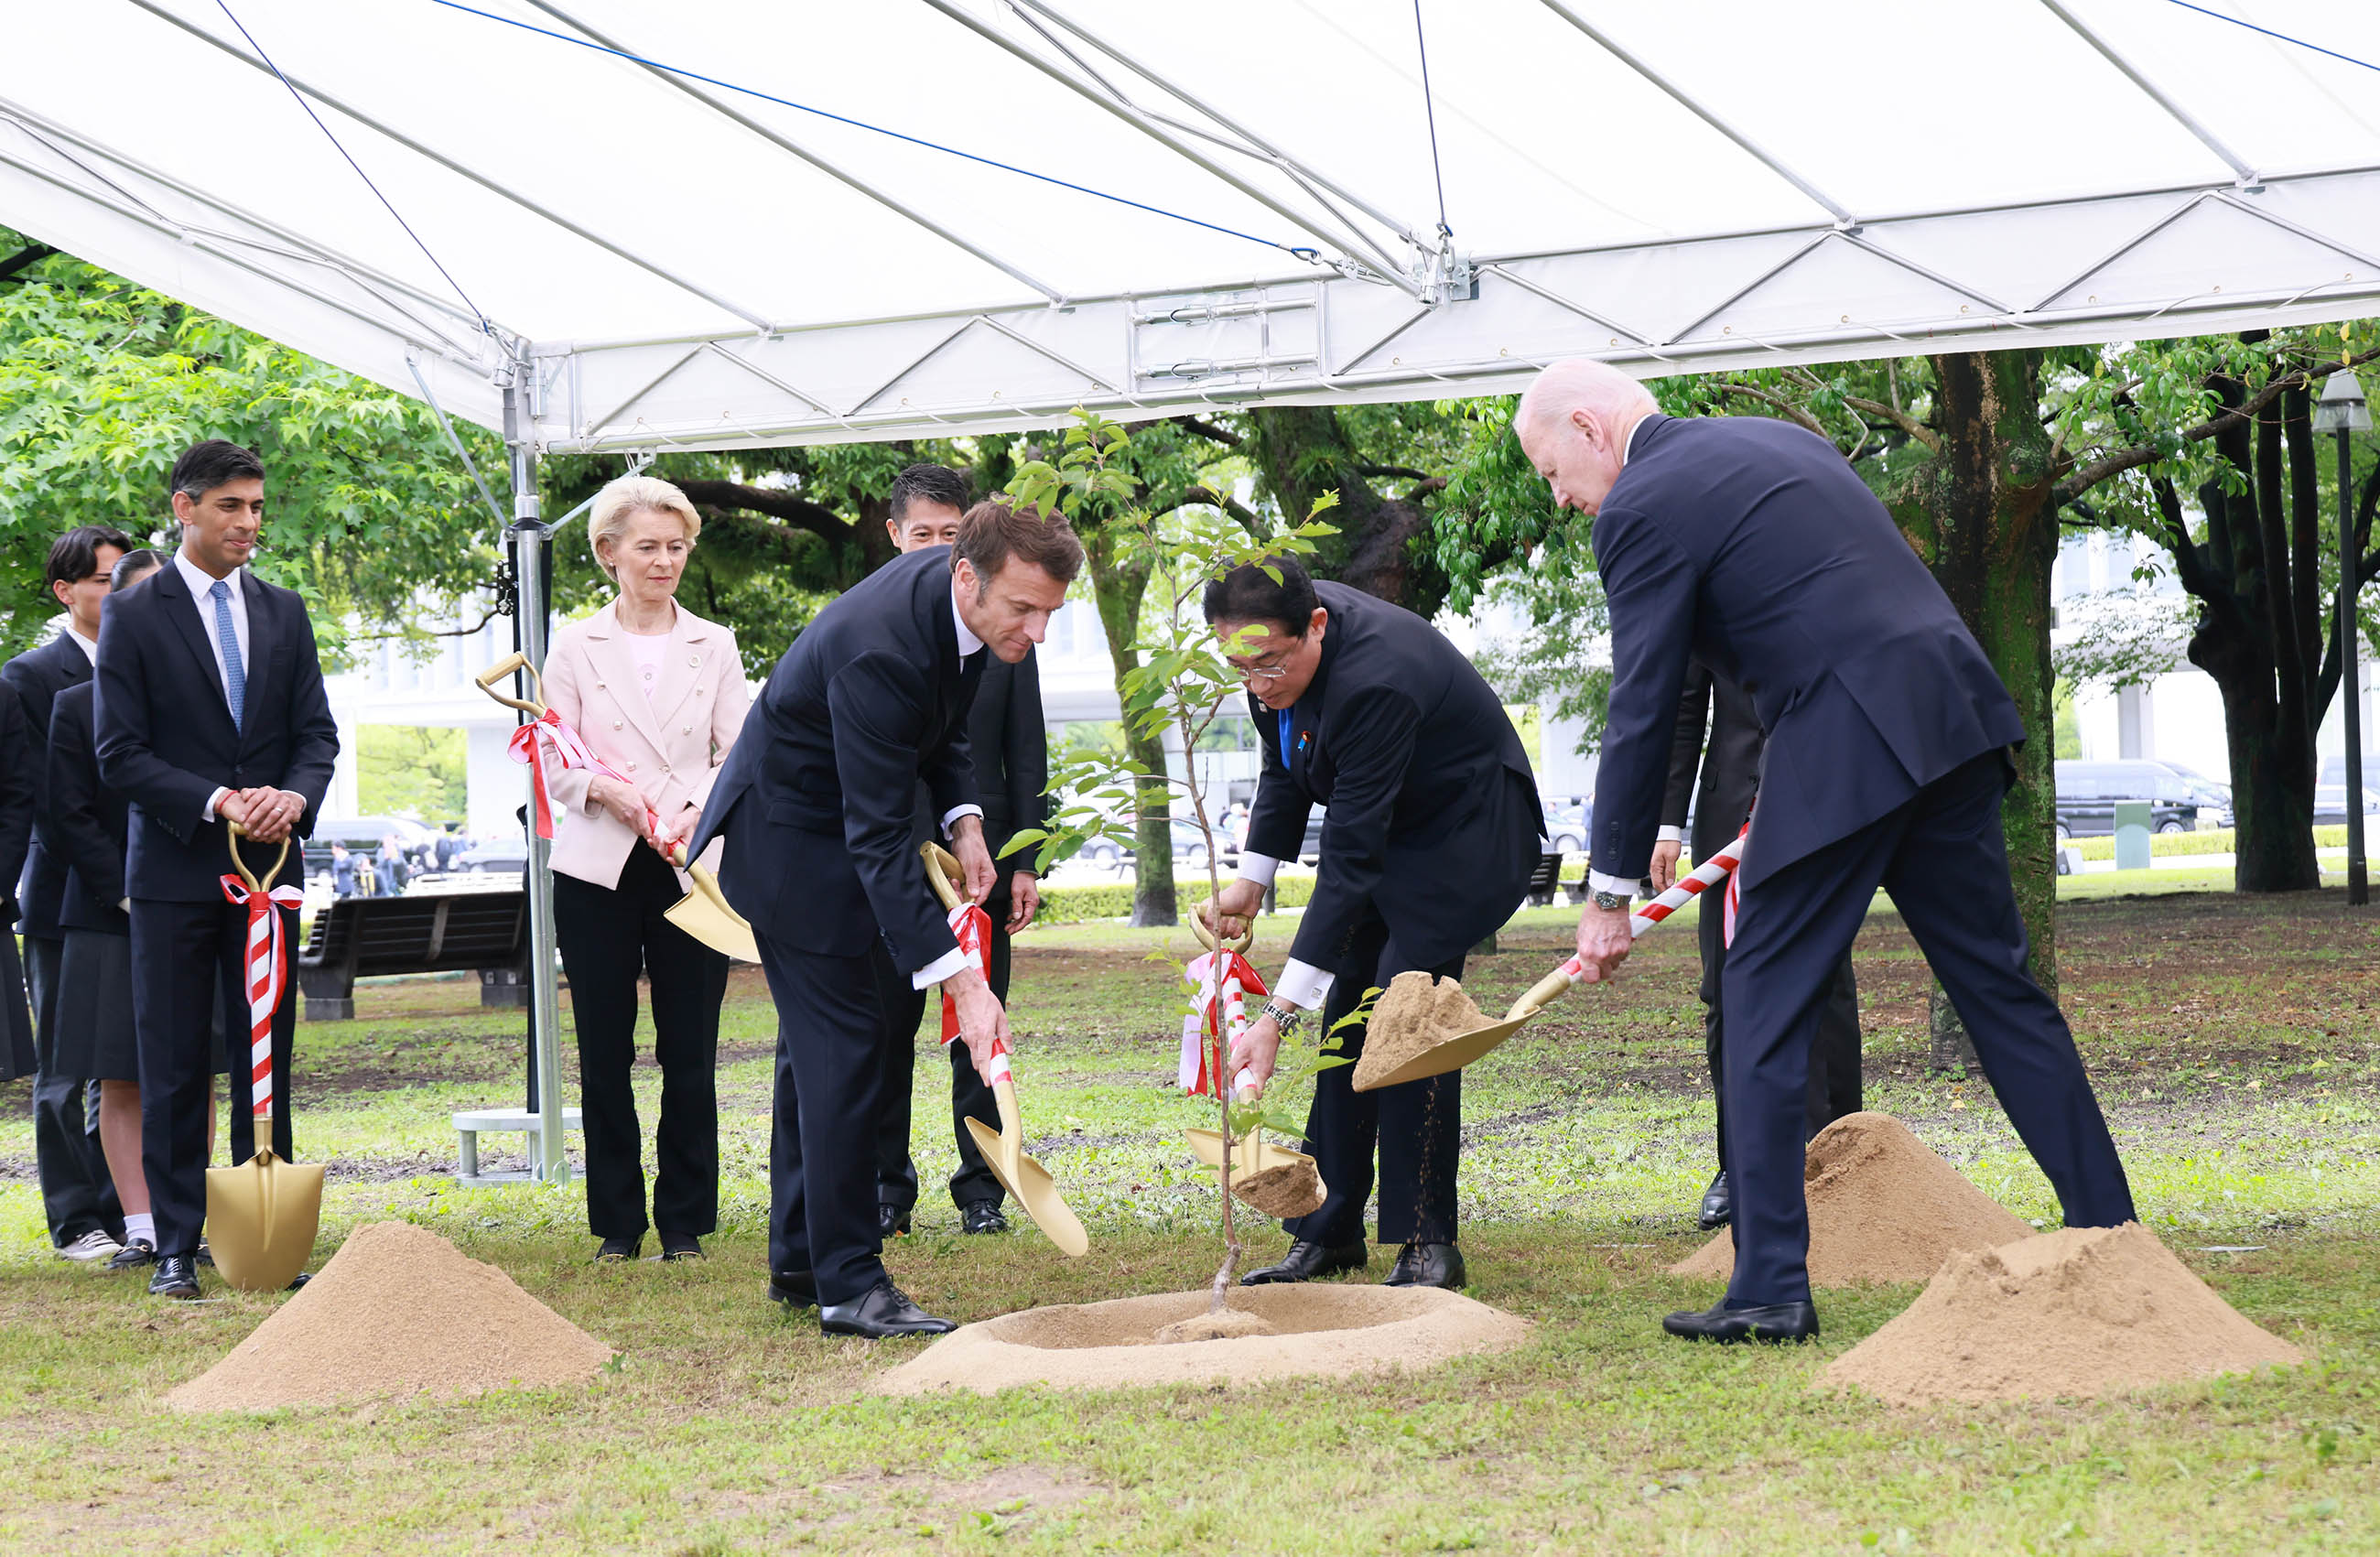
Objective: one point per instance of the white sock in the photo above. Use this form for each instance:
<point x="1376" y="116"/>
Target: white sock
<point x="139" y="1226"/>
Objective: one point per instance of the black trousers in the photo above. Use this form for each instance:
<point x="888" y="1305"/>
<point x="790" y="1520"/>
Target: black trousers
<point x="1835" y="1086"/>
<point x="607" y="936"/>
<point x="1417" y="1127"/>
<point x="822" y="1137"/>
<point x="78" y="1194"/>
<point x="1942" y="859"/>
<point x="188" y="970"/>
<point x="896" y="1175"/>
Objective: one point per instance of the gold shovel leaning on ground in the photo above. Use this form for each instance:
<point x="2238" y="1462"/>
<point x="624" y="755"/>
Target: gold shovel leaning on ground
<point x="704" y="913"/>
<point x="1004" y="1152"/>
<point x="1252" y="1153"/>
<point x="262" y="1216"/>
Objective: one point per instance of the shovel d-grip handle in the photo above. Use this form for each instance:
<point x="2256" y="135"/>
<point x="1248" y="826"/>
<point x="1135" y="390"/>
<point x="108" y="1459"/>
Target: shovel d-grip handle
<point x="1207" y="937"/>
<point x="512" y="664"/>
<point x="247" y="876"/>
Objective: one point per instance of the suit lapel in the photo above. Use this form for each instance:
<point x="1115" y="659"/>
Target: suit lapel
<point x="607" y="642"/>
<point x="263" y="636"/>
<point x="74" y="665"/>
<point x="182" y="612"/>
<point x="681" y="662"/>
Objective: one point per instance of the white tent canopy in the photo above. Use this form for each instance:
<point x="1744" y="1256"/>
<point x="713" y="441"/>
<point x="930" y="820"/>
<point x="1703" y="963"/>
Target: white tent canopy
<point x="675" y="263"/>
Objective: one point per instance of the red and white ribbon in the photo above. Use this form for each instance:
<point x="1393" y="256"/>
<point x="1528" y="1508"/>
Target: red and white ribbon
<point x="1223" y="981"/>
<point x="268" y="979"/>
<point x="532" y="743"/>
<point x="972" y="926"/>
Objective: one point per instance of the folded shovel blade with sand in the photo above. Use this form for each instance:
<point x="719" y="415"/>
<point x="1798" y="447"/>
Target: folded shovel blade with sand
<point x="704" y="913"/>
<point x="1294" y="1186"/>
<point x="262" y="1216"/>
<point x="1004" y="1152"/>
<point x="1433" y="1027"/>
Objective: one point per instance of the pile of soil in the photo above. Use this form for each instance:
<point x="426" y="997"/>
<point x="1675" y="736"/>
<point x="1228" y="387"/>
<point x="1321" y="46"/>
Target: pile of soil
<point x="397" y="1311"/>
<point x="1413" y="1015"/>
<point x="1884" y="1206"/>
<point x="1313" y="1328"/>
<point x="2084" y="1311"/>
<point x="1294" y="1188"/>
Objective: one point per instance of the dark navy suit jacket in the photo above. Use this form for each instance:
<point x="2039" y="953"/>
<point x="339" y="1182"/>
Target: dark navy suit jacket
<point x="38" y="675"/>
<point x="817" y="800"/>
<point x="1432" y="815"/>
<point x="1751" y="544"/>
<point x="89" y="819"/>
<point x="166" y="740"/>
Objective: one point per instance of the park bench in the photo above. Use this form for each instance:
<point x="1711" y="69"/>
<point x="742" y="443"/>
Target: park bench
<point x="1545" y="879"/>
<point x="367" y="937"/>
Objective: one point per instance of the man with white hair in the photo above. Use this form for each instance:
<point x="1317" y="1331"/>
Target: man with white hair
<point x="1750" y="544"/>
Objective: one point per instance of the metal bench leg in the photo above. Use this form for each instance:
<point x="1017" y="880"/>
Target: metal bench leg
<point x="467" y="1152"/>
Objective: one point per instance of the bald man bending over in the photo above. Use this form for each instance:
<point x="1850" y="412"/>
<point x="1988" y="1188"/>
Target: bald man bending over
<point x="1750" y="543"/>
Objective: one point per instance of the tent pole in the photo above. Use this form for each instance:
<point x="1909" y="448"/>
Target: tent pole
<point x="527" y="538"/>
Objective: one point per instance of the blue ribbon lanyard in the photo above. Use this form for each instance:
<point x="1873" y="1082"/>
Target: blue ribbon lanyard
<point x="1281" y="717"/>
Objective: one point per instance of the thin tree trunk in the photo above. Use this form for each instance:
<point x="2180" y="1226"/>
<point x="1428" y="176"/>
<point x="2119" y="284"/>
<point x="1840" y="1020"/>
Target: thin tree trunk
<point x="1950" y="1050"/>
<point x="1118" y="591"/>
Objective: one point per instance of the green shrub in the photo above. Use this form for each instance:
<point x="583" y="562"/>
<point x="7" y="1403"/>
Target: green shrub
<point x="2215" y="840"/>
<point x="1113" y="900"/>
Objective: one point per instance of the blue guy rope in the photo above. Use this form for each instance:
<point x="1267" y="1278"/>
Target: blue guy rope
<point x="2282" y="37"/>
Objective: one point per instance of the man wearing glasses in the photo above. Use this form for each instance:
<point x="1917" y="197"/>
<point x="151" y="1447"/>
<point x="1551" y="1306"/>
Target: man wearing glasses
<point x="1428" y="839"/>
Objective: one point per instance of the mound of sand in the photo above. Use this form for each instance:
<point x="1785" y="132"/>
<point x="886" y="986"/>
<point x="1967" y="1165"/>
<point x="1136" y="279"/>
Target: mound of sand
<point x="1315" y="1328"/>
<point x="1884" y="1206"/>
<point x="2084" y="1311"/>
<point x="1294" y="1188"/>
<point x="1413" y="1015"/>
<point x="397" y="1311"/>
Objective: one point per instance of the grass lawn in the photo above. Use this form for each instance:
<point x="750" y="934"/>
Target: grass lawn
<point x="2233" y="1040"/>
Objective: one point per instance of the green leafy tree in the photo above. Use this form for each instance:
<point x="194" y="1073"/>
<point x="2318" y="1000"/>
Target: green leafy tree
<point x="408" y="769"/>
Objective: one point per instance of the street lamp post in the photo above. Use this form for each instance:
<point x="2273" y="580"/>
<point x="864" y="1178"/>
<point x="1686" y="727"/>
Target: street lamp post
<point x="2342" y="412"/>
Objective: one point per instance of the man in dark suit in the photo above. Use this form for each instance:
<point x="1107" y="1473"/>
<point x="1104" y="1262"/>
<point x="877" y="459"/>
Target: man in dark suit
<point x="1729" y="769"/>
<point x="1011" y="752"/>
<point x="1428" y="839"/>
<point x="816" y="802"/>
<point x="1751" y="544"/>
<point x="75" y="1194"/>
<point x="210" y="710"/>
<point x="17" y="780"/>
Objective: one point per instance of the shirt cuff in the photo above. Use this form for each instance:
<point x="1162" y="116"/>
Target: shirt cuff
<point x="950" y="819"/>
<point x="212" y="801"/>
<point x="1303" y="985"/>
<point x="1258" y="868"/>
<point x="948" y="966"/>
<point x="1622" y="886"/>
<point x="1671" y="835"/>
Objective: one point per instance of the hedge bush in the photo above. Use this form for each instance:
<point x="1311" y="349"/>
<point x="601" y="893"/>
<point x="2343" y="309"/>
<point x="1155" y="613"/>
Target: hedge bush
<point x="1113" y="900"/>
<point x="2215" y="840"/>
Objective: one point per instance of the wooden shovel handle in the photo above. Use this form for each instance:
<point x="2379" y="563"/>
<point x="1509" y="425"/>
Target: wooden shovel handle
<point x="513" y="663"/>
<point x="1207" y="937"/>
<point x="1544" y="992"/>
<point x="943" y="872"/>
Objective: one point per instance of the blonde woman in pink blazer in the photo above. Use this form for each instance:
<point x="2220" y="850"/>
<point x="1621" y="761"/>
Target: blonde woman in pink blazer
<point x="659" y="695"/>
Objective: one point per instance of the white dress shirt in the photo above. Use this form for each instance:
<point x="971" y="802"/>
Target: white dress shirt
<point x="201" y="584"/>
<point x="954" y="960"/>
<point x="89" y="646"/>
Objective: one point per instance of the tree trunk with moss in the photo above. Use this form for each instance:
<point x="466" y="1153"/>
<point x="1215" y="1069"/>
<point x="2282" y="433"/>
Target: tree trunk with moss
<point x="1979" y="511"/>
<point x="1302" y="452"/>
<point x="1119" y="588"/>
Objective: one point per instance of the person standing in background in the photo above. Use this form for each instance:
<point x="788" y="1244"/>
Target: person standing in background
<point x="77" y="1198"/>
<point x="1010" y="750"/>
<point x="658" y="695"/>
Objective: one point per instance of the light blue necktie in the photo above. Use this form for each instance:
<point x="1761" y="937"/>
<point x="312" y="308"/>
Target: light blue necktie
<point x="235" y="674"/>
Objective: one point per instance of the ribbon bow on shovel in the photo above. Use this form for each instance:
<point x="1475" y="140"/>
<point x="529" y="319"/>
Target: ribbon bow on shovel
<point x="704" y="913"/>
<point x="1004" y="1152"/>
<point x="262" y="1216"/>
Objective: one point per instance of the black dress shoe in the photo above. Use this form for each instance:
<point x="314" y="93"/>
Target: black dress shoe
<point x="884" y="1310"/>
<point x="300" y="1280"/>
<point x="982" y="1216"/>
<point x="178" y="1276"/>
<point x="206" y="1255"/>
<point x="615" y="1250"/>
<point x="795" y="1289"/>
<point x="1305" y="1261"/>
<point x="1771" y="1322"/>
<point x="681" y="1246"/>
<point x="1718" y="1204"/>
<point x="891" y="1221"/>
<point x="1438" y="1265"/>
<point x="138" y="1252"/>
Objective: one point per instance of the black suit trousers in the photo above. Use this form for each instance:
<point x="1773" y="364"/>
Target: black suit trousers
<point x="607" y="935"/>
<point x="1835" y="1086"/>
<point x="822" y="1138"/>
<point x="188" y="959"/>
<point x="1941" y="858"/>
<point x="896" y="1175"/>
<point x="1417" y="1126"/>
<point x="78" y="1195"/>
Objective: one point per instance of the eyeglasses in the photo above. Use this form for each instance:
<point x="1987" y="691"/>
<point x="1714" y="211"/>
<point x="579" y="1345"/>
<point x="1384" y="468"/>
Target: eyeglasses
<point x="1263" y="673"/>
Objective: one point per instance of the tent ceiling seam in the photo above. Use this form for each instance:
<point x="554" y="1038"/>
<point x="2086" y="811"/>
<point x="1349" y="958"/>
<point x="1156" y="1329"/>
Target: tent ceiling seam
<point x="646" y="388"/>
<point x="2156" y="94"/>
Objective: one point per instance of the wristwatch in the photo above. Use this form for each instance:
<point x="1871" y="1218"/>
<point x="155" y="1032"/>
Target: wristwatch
<point x="1607" y="900"/>
<point x="1289" y="1019"/>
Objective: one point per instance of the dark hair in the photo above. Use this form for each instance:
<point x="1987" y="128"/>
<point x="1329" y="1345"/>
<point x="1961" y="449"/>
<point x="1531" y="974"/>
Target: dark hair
<point x="75" y="553"/>
<point x="204" y="467"/>
<point x="994" y="531"/>
<point x="1248" y="594"/>
<point x="935" y="483"/>
<point x="132" y="567"/>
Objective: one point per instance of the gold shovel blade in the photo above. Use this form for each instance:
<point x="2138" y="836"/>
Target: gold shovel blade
<point x="261" y="1220"/>
<point x="704" y="914"/>
<point x="1034" y="1189"/>
<point x="1250" y="1154"/>
<point x="1453" y="1054"/>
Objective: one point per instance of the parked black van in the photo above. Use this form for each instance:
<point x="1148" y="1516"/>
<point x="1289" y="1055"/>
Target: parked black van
<point x="2088" y="793"/>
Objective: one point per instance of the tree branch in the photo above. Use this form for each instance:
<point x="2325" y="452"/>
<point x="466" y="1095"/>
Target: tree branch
<point x="1209" y="430"/>
<point x="1898" y="418"/>
<point x="1791" y="411"/>
<point x="784" y="507"/>
<point x="31" y="254"/>
<point x="472" y="631"/>
<point x="2083" y="478"/>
